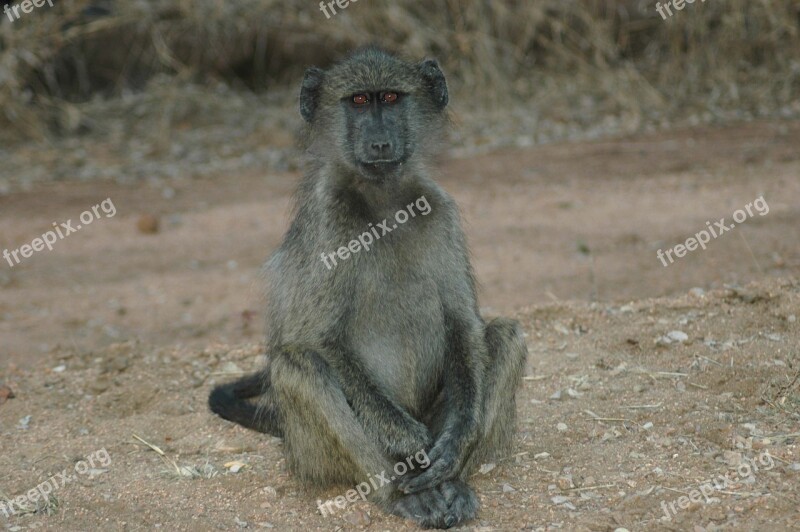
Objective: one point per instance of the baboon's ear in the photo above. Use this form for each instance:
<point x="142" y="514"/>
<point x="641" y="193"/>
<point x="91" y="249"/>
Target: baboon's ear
<point x="437" y="85"/>
<point x="310" y="92"/>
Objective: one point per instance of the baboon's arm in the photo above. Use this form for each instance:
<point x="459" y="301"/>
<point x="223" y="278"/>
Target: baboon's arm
<point x="463" y="394"/>
<point x="391" y="426"/>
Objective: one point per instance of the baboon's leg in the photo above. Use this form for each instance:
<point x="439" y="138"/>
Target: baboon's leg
<point x="324" y="442"/>
<point x="507" y="355"/>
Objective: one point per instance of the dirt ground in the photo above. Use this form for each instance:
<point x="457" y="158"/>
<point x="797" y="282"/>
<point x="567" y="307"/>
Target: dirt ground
<point x="643" y="381"/>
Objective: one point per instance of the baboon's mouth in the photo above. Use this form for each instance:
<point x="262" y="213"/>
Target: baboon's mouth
<point x="380" y="168"/>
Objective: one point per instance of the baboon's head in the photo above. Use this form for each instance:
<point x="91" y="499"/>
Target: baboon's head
<point x="374" y="113"/>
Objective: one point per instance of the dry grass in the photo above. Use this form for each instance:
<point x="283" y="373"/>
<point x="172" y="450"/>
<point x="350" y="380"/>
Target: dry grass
<point x="569" y="58"/>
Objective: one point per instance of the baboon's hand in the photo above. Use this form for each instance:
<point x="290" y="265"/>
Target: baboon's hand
<point x="444" y="465"/>
<point x="447" y="505"/>
<point x="428" y="509"/>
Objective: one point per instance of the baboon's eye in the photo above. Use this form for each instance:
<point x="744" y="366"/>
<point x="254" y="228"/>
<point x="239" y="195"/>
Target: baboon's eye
<point x="389" y="97"/>
<point x="360" y="99"/>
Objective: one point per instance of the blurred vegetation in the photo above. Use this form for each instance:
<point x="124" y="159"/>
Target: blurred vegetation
<point x="570" y="59"/>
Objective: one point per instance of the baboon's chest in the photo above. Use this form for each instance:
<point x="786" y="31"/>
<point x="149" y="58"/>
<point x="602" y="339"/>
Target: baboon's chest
<point x="401" y="338"/>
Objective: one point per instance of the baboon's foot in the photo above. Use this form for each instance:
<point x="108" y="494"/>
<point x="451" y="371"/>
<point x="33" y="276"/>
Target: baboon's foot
<point x="462" y="503"/>
<point x="444" y="506"/>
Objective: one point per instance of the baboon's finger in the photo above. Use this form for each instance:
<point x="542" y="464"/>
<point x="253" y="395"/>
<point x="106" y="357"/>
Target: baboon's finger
<point x="442" y="468"/>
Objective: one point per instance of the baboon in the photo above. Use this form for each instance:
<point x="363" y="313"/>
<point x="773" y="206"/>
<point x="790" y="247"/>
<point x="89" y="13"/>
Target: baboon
<point x="383" y="355"/>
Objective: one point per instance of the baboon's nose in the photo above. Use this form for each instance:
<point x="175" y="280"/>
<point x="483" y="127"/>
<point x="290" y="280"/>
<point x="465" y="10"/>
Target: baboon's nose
<point x="380" y="148"/>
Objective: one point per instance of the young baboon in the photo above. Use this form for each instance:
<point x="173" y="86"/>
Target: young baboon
<point x="383" y="355"/>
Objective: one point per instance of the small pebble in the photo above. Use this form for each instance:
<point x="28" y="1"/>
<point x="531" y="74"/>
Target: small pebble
<point x="235" y="467"/>
<point x="357" y="517"/>
<point x="663" y="340"/>
<point x="562" y="427"/>
<point x="230" y="367"/>
<point x="485" y="468"/>
<point x="732" y="458"/>
<point x="5" y="393"/>
<point x="677" y="336"/>
<point x="147" y="224"/>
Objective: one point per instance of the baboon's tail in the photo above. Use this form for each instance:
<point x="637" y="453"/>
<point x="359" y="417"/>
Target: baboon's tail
<point x="230" y="401"/>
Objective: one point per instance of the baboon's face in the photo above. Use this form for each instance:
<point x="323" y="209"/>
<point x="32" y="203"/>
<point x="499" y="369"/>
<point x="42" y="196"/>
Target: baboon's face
<point x="377" y="131"/>
<point x="374" y="113"/>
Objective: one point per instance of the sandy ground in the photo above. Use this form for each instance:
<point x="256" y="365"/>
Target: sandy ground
<point x="119" y="332"/>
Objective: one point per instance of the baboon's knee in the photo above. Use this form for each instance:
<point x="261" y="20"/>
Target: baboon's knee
<point x="507" y="355"/>
<point x="507" y="348"/>
<point x="293" y="369"/>
<point x="323" y="439"/>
